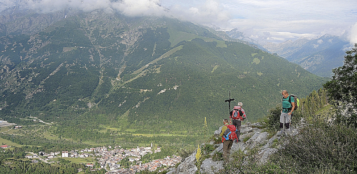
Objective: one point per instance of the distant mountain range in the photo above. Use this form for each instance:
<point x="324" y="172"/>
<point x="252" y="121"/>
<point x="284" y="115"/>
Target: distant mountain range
<point x="318" y="56"/>
<point x="93" y="69"/>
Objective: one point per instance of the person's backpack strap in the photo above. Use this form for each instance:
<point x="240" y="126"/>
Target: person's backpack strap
<point x="295" y="100"/>
<point x="226" y="131"/>
<point x="290" y="102"/>
<point x="241" y="113"/>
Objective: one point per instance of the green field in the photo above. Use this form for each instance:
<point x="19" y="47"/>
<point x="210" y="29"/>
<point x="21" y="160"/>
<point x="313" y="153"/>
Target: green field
<point x="80" y="160"/>
<point x="49" y="136"/>
<point x="130" y="130"/>
<point x="159" y="135"/>
<point x="9" y="143"/>
<point x="4" y="129"/>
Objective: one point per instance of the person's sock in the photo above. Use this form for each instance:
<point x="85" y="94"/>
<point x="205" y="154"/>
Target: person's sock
<point x="287" y="125"/>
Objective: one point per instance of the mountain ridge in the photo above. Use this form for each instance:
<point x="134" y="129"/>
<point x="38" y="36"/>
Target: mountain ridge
<point x="149" y="75"/>
<point x="313" y="54"/>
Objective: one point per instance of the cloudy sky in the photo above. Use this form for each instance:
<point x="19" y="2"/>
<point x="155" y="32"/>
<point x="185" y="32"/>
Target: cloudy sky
<point x="272" y="20"/>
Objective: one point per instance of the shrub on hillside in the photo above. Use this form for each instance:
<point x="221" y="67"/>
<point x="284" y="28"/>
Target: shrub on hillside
<point x="320" y="147"/>
<point x="342" y="87"/>
<point x="271" y="121"/>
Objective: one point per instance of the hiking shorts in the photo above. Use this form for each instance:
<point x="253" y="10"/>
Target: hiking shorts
<point x="286" y="116"/>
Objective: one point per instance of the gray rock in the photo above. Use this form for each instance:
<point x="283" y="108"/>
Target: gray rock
<point x="187" y="166"/>
<point x="255" y="129"/>
<point x="237" y="146"/>
<point x="218" y="149"/>
<point x="244" y="126"/>
<point x="265" y="154"/>
<point x="292" y="132"/>
<point x="255" y="136"/>
<point x="246" y="135"/>
<point x="211" y="167"/>
<point x="171" y="171"/>
<point x="217" y="132"/>
<point x="256" y="125"/>
<point x="262" y="136"/>
<point x="257" y="139"/>
<point x="270" y="142"/>
<point x="246" y="130"/>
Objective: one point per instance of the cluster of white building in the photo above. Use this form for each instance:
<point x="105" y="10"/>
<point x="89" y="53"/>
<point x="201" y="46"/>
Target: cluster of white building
<point x="109" y="158"/>
<point x="154" y="165"/>
<point x="50" y="155"/>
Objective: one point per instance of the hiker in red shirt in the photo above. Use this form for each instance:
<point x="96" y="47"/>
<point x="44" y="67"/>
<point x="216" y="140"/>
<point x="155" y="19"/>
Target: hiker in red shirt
<point x="237" y="115"/>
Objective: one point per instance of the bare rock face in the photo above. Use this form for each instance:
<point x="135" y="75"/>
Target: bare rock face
<point x="256" y="139"/>
<point x="218" y="149"/>
<point x="217" y="132"/>
<point x="245" y="130"/>
<point x="265" y="154"/>
<point x="211" y="167"/>
<point x="187" y="166"/>
<point x="171" y="171"/>
<point x="270" y="142"/>
<point x="238" y="146"/>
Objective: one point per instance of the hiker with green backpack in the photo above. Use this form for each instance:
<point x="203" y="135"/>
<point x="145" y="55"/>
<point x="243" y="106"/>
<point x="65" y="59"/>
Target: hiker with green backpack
<point x="289" y="104"/>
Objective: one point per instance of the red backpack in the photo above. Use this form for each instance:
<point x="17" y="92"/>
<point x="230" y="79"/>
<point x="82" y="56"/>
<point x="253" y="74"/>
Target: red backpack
<point x="230" y="133"/>
<point x="237" y="113"/>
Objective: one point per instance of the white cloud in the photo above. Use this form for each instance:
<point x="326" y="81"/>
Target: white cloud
<point x="209" y="12"/>
<point x="127" y="7"/>
<point x="309" y="18"/>
<point x="353" y="37"/>
<point x="283" y="19"/>
<point x="4" y="4"/>
<point x="140" y="7"/>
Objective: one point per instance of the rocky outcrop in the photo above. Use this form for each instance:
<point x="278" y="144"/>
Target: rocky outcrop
<point x="187" y="166"/>
<point x="217" y="132"/>
<point x="246" y="129"/>
<point x="218" y="149"/>
<point x="211" y="167"/>
<point x="254" y="137"/>
<point x="264" y="154"/>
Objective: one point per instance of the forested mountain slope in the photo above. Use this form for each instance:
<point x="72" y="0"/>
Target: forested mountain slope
<point x="150" y="75"/>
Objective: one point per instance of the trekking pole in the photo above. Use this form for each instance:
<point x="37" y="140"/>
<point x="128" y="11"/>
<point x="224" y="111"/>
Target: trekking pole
<point x="229" y="101"/>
